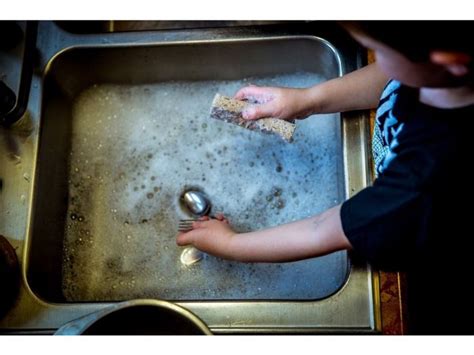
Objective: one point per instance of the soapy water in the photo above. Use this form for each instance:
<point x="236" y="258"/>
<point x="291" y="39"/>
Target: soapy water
<point x="135" y="149"/>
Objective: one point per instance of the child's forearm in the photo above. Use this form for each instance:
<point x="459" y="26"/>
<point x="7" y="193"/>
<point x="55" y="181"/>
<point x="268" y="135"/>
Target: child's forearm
<point x="318" y="235"/>
<point x="358" y="90"/>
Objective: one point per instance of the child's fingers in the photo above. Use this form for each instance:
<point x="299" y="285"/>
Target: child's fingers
<point x="184" y="238"/>
<point x="255" y="112"/>
<point x="249" y="92"/>
<point x="199" y="224"/>
<point x="221" y="217"/>
<point x="190" y="237"/>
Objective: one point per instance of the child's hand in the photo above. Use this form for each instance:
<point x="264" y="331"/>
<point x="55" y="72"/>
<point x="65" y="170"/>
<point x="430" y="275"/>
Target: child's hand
<point x="209" y="235"/>
<point x="275" y="102"/>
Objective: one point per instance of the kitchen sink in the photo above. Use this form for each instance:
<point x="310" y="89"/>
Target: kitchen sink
<point x="124" y="131"/>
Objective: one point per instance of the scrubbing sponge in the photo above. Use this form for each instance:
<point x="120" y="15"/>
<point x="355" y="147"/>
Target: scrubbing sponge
<point x="230" y="110"/>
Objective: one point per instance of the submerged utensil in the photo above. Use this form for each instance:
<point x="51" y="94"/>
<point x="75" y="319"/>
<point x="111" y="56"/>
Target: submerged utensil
<point x="196" y="202"/>
<point x="185" y="225"/>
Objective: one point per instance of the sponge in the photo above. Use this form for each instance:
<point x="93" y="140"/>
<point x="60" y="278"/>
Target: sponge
<point x="230" y="110"/>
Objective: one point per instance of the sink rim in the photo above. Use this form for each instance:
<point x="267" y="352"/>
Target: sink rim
<point x="74" y="47"/>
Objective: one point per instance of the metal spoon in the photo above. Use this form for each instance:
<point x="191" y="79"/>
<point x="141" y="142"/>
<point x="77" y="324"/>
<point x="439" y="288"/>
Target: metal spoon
<point x="196" y="202"/>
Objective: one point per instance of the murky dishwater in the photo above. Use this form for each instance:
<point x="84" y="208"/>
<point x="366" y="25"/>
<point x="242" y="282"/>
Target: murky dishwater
<point x="136" y="148"/>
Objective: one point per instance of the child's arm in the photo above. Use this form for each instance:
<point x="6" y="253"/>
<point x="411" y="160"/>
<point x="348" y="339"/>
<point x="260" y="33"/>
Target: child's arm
<point x="358" y="90"/>
<point x="303" y="239"/>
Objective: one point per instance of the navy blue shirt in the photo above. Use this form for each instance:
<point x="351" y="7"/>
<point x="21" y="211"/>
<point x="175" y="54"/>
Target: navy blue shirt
<point x="416" y="215"/>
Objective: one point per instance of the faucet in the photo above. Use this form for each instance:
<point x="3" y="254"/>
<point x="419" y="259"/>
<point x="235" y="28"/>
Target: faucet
<point x="13" y="106"/>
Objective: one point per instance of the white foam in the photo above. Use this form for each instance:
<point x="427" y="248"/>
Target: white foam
<point x="134" y="150"/>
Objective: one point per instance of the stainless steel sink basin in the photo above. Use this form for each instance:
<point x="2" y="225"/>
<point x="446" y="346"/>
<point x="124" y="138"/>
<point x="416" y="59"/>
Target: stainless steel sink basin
<point x="123" y="131"/>
<point x="114" y="160"/>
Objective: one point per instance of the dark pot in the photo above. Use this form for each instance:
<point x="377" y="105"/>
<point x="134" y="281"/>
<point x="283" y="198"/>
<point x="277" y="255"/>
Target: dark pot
<point x="138" y="317"/>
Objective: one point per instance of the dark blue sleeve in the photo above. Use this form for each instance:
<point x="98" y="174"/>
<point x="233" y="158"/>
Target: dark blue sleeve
<point x="388" y="223"/>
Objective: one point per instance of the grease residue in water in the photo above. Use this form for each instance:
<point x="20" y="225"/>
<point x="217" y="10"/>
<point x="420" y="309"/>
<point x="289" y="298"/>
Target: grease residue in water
<point x="135" y="148"/>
